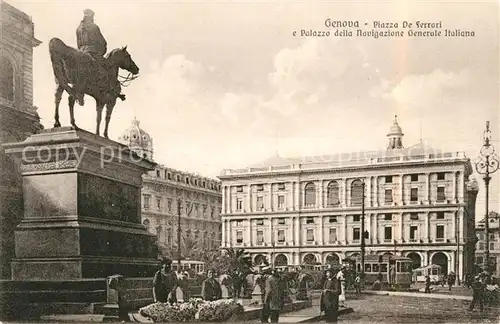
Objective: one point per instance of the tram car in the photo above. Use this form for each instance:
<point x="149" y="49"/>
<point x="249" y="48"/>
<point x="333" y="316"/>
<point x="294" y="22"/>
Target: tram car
<point x="433" y="271"/>
<point x="388" y="269"/>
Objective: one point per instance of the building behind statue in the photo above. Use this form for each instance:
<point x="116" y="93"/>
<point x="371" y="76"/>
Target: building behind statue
<point x="419" y="203"/>
<point x="201" y="201"/>
<point x="18" y="117"/>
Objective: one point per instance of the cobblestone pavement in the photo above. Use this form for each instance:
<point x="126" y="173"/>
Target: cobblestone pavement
<point x="398" y="309"/>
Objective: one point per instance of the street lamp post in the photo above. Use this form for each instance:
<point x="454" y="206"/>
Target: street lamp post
<point x="487" y="165"/>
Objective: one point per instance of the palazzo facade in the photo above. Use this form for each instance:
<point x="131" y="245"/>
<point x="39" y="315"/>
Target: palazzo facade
<point x="418" y="203"/>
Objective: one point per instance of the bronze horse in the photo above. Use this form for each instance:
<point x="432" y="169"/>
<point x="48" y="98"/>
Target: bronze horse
<point x="98" y="79"/>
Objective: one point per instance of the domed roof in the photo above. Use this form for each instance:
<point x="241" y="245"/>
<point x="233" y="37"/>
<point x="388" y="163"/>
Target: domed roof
<point x="137" y="140"/>
<point x="395" y="128"/>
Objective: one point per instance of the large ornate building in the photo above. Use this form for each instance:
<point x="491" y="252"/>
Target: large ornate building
<point x="494" y="242"/>
<point x="163" y="189"/>
<point x="18" y="118"/>
<point x="419" y="203"/>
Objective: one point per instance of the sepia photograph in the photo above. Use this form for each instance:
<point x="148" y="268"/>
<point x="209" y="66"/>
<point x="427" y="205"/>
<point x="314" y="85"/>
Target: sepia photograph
<point x="168" y="161"/>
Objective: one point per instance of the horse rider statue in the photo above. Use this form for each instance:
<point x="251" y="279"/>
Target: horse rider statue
<point x="90" y="40"/>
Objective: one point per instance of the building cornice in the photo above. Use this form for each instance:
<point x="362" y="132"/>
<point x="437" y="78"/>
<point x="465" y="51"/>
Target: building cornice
<point x="273" y="172"/>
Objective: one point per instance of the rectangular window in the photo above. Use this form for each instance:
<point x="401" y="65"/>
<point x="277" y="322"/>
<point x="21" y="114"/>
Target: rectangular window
<point x="356" y="234"/>
<point x="414" y="177"/>
<point x="440" y="194"/>
<point x="239" y="237"/>
<point x="388" y="179"/>
<point x="368" y="267"/>
<point x="440" y="215"/>
<point x="147" y="201"/>
<point x="281" y="221"/>
<point x="281" y="236"/>
<point x="356" y="218"/>
<point x="388" y="196"/>
<point x="169" y="204"/>
<point x="260" y="203"/>
<point x="158" y="203"/>
<point x="239" y="189"/>
<point x="388" y="217"/>
<point x="414" y="216"/>
<point x="414" y="194"/>
<point x="388" y="233"/>
<point x="332" y="235"/>
<point x="310" y="235"/>
<point x="169" y="176"/>
<point x="441" y="175"/>
<point x="479" y="260"/>
<point x="440" y="232"/>
<point x="309" y="220"/>
<point x="281" y="186"/>
<point x="260" y="237"/>
<point x="413" y="233"/>
<point x="492" y="245"/>
<point x="260" y="222"/>
<point x="281" y="202"/>
<point x="260" y="187"/>
<point x="239" y="204"/>
<point x="332" y="219"/>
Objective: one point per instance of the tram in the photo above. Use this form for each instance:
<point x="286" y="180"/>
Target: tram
<point x="189" y="265"/>
<point x="388" y="269"/>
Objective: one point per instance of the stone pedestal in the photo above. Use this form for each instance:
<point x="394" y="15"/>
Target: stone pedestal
<point x="82" y="208"/>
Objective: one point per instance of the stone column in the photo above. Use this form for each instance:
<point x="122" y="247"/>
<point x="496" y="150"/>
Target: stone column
<point x="297" y="231"/>
<point x="223" y="232"/>
<point x="345" y="230"/>
<point x="224" y="199"/>
<point x="319" y="199"/>
<point x="428" y="188"/>
<point x="427" y="226"/>
<point x="368" y="222"/>
<point x="368" y="187"/>
<point x="249" y="198"/>
<point x="344" y="192"/>
<point x="461" y="226"/>
<point x="375" y="229"/>
<point x="401" y="224"/>
<point x="249" y="233"/>
<point x="402" y="202"/>
<point x="375" y="192"/>
<point x="321" y="230"/>
<point x="461" y="185"/>
<point x="297" y="196"/>
<point x="268" y="197"/>
<point x="454" y="187"/>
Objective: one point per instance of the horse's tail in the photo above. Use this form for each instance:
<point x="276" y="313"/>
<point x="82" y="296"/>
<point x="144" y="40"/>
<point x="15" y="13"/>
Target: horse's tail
<point x="58" y="52"/>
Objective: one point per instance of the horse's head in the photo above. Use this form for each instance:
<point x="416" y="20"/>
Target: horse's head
<point x="123" y="60"/>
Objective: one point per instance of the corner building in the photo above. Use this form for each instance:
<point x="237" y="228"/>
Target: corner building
<point x="163" y="187"/>
<point x="419" y="203"/>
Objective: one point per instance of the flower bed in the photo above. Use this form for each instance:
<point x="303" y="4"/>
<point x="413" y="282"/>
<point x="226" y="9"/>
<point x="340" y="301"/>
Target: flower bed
<point x="193" y="310"/>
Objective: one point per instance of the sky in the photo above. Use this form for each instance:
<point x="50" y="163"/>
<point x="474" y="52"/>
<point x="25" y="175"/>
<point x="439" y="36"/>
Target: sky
<point x="226" y="84"/>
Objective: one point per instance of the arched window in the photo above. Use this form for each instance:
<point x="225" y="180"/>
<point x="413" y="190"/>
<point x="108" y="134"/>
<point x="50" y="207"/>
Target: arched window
<point x="356" y="193"/>
<point x="310" y="195"/>
<point x="6" y="79"/>
<point x="332" y="194"/>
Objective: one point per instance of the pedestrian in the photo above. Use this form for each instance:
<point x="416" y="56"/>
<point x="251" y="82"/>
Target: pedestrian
<point x="478" y="286"/>
<point x="341" y="279"/>
<point x="329" y="301"/>
<point x="165" y="283"/>
<point x="210" y="288"/>
<point x="451" y="279"/>
<point x="443" y="281"/>
<point x="428" y="284"/>
<point x="273" y="298"/>
<point x="357" y="283"/>
<point x="237" y="284"/>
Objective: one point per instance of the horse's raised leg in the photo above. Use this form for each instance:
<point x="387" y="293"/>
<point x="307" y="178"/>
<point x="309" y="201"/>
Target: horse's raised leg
<point x="99" y="107"/>
<point x="58" y="97"/>
<point x="71" y="103"/>
<point x="109" y="111"/>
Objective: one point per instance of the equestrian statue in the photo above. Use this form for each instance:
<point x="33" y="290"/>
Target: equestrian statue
<point x="89" y="72"/>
